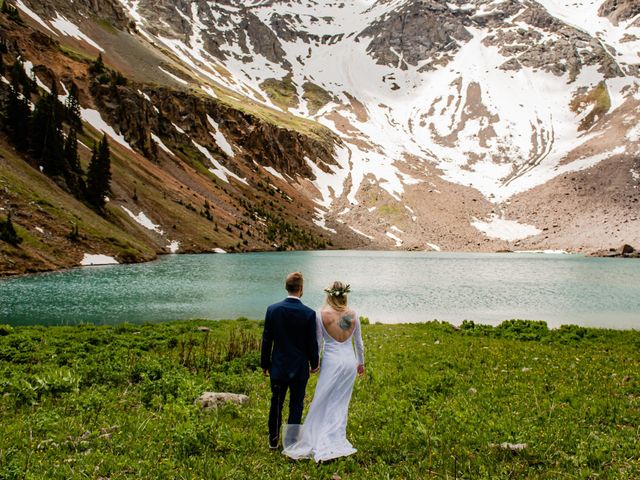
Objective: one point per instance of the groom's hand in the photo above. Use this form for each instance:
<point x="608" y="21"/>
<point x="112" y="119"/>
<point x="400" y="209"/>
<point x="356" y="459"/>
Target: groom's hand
<point x="265" y="372"/>
<point x="360" y="369"/>
<point x="315" y="370"/>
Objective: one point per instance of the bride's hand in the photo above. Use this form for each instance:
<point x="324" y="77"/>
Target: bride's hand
<point x="360" y="369"/>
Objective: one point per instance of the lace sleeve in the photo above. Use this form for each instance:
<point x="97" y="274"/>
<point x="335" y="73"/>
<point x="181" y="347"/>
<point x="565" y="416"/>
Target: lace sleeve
<point x="357" y="338"/>
<point x="319" y="330"/>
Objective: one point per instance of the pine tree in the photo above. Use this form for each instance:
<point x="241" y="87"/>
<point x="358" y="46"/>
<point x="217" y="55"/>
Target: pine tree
<point x="5" y="7"/>
<point x="18" y="115"/>
<point x="73" y="108"/>
<point x="8" y="233"/>
<point x="72" y="168"/>
<point x="48" y="144"/>
<point x="97" y="67"/>
<point x="99" y="175"/>
<point x="1" y="64"/>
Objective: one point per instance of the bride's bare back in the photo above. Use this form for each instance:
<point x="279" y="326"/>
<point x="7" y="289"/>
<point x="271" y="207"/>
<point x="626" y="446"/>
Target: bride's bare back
<point x="339" y="325"/>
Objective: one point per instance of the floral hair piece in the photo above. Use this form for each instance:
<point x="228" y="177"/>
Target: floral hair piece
<point x="338" y="292"/>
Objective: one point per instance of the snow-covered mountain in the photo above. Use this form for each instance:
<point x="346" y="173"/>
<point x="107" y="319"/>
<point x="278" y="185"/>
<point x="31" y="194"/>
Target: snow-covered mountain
<point x="463" y="124"/>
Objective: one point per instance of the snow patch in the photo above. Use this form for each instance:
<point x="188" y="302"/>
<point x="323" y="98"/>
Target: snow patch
<point x="28" y="68"/>
<point x="143" y="220"/>
<point x="70" y="29"/>
<point x="219" y="250"/>
<point x="433" y="246"/>
<point x="91" y="259"/>
<point x="633" y="135"/>
<point x="498" y="227"/>
<point x="178" y="128"/>
<point x="94" y="118"/>
<point x="361" y="233"/>
<point x="320" y="220"/>
<point x="161" y="144"/>
<point x="177" y="79"/>
<point x="20" y="4"/>
<point x="174" y="246"/>
<point x="220" y="139"/>
<point x="39" y="229"/>
<point x="220" y="170"/>
<point x="209" y="91"/>
<point x="395" y="239"/>
<point x="274" y="172"/>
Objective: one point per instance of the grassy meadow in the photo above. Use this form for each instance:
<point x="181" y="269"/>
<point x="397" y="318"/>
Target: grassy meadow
<point x="116" y="402"/>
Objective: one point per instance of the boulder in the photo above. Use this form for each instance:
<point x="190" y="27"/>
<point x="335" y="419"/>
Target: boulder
<point x="626" y="249"/>
<point x="210" y="400"/>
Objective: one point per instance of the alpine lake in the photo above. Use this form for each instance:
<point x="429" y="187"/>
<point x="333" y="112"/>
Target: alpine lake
<point x="387" y="287"/>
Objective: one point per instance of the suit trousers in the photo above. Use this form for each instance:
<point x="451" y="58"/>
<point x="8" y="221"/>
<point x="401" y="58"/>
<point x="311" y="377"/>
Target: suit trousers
<point x="279" y="389"/>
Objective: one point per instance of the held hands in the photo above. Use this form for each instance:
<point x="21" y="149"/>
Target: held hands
<point x="265" y="372"/>
<point x="315" y="370"/>
<point x="360" y="369"/>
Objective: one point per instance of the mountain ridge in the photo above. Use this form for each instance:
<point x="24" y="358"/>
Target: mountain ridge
<point x="439" y="117"/>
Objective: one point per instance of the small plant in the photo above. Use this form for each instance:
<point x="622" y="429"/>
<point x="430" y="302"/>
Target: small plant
<point x="8" y="232"/>
<point x="74" y="234"/>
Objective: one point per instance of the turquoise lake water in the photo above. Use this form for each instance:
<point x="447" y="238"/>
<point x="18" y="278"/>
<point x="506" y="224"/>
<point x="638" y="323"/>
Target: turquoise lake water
<point x="386" y="286"/>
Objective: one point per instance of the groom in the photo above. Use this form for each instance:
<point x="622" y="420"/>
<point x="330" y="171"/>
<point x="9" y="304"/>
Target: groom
<point x="289" y="351"/>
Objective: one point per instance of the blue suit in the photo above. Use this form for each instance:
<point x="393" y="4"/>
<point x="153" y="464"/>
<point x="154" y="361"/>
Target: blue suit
<point x="289" y="350"/>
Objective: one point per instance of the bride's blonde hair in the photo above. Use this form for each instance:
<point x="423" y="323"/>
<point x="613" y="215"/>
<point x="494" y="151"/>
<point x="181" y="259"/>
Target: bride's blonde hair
<point x="337" y="296"/>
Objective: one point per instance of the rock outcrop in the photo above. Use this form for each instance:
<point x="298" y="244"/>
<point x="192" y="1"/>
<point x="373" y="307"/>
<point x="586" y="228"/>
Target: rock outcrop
<point x="212" y="400"/>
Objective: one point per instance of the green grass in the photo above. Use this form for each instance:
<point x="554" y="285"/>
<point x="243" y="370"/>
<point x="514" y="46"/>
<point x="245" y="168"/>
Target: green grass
<point x="598" y="98"/>
<point x="315" y="96"/>
<point x="117" y="402"/>
<point x="281" y="92"/>
<point x="74" y="54"/>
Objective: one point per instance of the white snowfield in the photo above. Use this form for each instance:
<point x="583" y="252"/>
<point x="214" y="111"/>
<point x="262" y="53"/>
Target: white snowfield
<point x="142" y="219"/>
<point x="90" y="259"/>
<point x="501" y="132"/>
<point x="510" y="230"/>
<point x="94" y="118"/>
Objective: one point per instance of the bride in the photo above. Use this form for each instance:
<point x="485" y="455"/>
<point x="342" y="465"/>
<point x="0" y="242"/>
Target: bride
<point x="323" y="436"/>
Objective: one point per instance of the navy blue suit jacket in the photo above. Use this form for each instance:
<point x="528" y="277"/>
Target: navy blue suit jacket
<point x="289" y="344"/>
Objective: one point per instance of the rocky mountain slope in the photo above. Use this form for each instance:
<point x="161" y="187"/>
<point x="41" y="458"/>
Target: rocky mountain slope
<point x="414" y="124"/>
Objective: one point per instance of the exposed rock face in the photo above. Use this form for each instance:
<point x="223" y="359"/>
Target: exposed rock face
<point x="568" y="52"/>
<point x="259" y="141"/>
<point x="446" y="111"/>
<point x="109" y="11"/>
<point x="619" y="10"/>
<point x="417" y="32"/>
<point x="210" y="400"/>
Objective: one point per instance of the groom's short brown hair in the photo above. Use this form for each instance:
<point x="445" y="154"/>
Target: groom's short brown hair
<point x="294" y="282"/>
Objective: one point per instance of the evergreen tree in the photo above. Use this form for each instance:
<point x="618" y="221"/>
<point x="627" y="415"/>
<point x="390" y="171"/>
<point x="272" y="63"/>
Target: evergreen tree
<point x="18" y="74"/>
<point x="73" y="108"/>
<point x="1" y="64"/>
<point x="8" y="233"/>
<point x="11" y="11"/>
<point x="99" y="175"/>
<point x="72" y="168"/>
<point x="18" y="115"/>
<point x="48" y="143"/>
<point x="97" y="67"/>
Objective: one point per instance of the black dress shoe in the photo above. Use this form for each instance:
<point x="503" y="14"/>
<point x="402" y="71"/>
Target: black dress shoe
<point x="273" y="443"/>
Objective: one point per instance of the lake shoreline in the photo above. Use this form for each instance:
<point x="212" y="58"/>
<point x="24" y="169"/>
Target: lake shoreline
<point x="23" y="271"/>
<point x="407" y="287"/>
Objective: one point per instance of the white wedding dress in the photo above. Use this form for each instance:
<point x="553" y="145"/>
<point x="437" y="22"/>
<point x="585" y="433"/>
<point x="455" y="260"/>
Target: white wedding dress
<point x="323" y="436"/>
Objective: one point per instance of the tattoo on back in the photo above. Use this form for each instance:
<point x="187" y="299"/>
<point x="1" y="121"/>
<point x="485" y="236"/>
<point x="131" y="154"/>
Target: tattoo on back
<point x="346" y="320"/>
